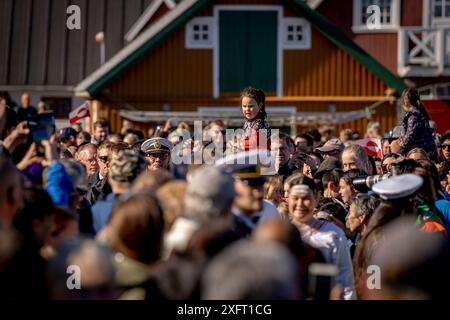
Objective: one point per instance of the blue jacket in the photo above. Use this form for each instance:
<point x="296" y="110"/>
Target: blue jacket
<point x="444" y="207"/>
<point x="101" y="211"/>
<point x="59" y="185"/>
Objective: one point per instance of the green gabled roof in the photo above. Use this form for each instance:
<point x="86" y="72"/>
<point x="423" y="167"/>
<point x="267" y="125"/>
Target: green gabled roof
<point x="178" y="17"/>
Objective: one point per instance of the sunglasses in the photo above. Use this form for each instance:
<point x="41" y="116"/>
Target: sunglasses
<point x="445" y="146"/>
<point x="104" y="159"/>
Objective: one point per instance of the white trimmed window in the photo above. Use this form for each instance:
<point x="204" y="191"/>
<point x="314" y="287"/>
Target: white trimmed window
<point x="440" y="12"/>
<point x="389" y="15"/>
<point x="296" y="33"/>
<point x="199" y="33"/>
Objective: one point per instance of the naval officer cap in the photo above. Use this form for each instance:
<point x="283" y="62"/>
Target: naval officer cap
<point x="156" y="146"/>
<point x="252" y="167"/>
<point x="398" y="187"/>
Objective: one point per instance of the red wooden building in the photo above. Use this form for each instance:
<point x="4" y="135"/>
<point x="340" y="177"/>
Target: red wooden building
<point x="314" y="62"/>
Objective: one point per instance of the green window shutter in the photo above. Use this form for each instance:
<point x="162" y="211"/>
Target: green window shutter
<point x="248" y="50"/>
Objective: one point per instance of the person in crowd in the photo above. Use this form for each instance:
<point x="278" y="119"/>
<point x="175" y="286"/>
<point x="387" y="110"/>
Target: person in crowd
<point x="347" y="189"/>
<point x="361" y="210"/>
<point x="130" y="139"/>
<point x="123" y="170"/>
<point x="412" y="263"/>
<point x="34" y="223"/>
<point x="274" y="190"/>
<point x="83" y="137"/>
<point x="101" y="131"/>
<point x="158" y="153"/>
<point x="42" y="107"/>
<point x="135" y="232"/>
<point x="262" y="271"/>
<point x="127" y="127"/>
<point x="67" y="137"/>
<point x="321" y="234"/>
<point x="374" y="130"/>
<point x="387" y="160"/>
<point x="87" y="155"/>
<point x="96" y="266"/>
<point x="304" y="142"/>
<point x="76" y="196"/>
<point x="386" y="146"/>
<point x="444" y="147"/>
<point x="151" y="180"/>
<point x="332" y="148"/>
<point x="417" y="154"/>
<point x="26" y="110"/>
<point x="98" y="186"/>
<point x="77" y="126"/>
<point x="256" y="130"/>
<point x="346" y="135"/>
<point x="171" y="196"/>
<point x="418" y="133"/>
<point x="325" y="133"/>
<point x="11" y="191"/>
<point x="283" y="149"/>
<point x="115" y="138"/>
<point x="64" y="227"/>
<point x="355" y="157"/>
<point x="398" y="198"/>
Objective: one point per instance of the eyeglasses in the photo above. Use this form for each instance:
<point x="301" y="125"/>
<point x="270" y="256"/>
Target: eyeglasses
<point x="104" y="159"/>
<point x="445" y="146"/>
<point x="90" y="161"/>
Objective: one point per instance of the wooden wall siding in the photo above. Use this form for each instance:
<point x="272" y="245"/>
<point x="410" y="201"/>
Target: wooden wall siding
<point x="173" y="71"/>
<point x="411" y="13"/>
<point x="169" y="71"/>
<point x="381" y="46"/>
<point x="327" y="71"/>
<point x="38" y="49"/>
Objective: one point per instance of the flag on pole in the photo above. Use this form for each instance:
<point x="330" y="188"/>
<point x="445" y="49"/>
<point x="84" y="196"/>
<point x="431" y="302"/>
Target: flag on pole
<point x="371" y="146"/>
<point x="79" y="113"/>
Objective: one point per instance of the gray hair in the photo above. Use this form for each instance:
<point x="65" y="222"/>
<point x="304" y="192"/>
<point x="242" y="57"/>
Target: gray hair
<point x="76" y="171"/>
<point x="258" y="272"/>
<point x="209" y="194"/>
<point x="365" y="204"/>
<point x="361" y="156"/>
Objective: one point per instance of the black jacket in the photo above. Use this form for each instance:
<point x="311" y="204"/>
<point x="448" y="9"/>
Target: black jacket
<point x="97" y="189"/>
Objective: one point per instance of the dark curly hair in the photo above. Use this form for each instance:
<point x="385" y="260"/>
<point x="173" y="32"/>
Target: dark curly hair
<point x="259" y="97"/>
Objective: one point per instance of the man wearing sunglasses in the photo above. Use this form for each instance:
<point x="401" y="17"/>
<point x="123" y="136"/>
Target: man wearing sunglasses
<point x="445" y="147"/>
<point x="98" y="186"/>
<point x="157" y="152"/>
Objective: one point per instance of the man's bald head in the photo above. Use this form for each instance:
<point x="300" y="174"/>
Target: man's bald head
<point x="87" y="155"/>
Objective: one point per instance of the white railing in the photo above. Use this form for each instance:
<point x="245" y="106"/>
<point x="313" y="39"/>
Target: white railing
<point x="423" y="52"/>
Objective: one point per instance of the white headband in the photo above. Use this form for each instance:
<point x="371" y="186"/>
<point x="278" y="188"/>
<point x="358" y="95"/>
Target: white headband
<point x="302" y="190"/>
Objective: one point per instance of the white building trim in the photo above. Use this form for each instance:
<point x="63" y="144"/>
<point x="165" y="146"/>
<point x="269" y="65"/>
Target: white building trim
<point x="145" y="17"/>
<point x="358" y="27"/>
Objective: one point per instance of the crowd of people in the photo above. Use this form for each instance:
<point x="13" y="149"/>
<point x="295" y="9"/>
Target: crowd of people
<point x="138" y="225"/>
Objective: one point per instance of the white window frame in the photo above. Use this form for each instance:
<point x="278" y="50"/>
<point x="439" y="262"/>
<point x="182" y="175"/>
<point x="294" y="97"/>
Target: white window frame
<point x="305" y="44"/>
<point x="280" y="64"/>
<point x="428" y="16"/>
<point x="190" y="43"/>
<point x="384" y="28"/>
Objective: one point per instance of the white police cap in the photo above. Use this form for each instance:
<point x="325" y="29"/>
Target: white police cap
<point x="156" y="145"/>
<point x="398" y="187"/>
<point x="247" y="164"/>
